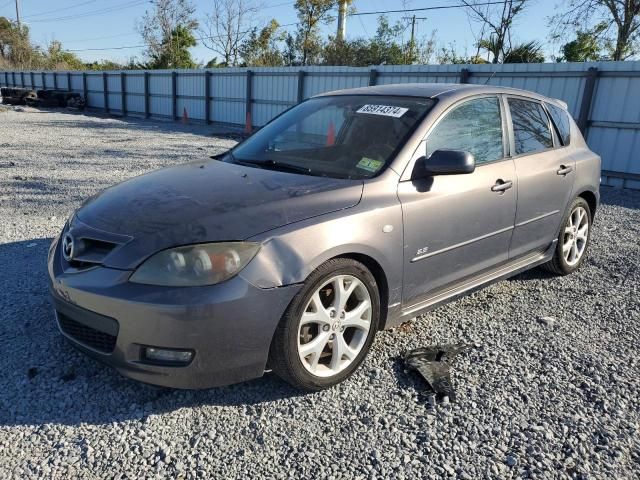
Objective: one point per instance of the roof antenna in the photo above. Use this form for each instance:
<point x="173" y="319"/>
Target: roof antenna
<point x="491" y="76"/>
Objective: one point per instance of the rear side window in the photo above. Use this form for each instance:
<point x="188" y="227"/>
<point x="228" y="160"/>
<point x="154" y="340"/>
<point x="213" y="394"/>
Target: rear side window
<point x="474" y="126"/>
<point x="530" y="126"/>
<point x="561" y="121"/>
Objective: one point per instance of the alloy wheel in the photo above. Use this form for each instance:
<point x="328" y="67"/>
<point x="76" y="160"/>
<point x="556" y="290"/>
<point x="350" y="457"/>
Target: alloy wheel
<point x="334" y="326"/>
<point x="576" y="234"/>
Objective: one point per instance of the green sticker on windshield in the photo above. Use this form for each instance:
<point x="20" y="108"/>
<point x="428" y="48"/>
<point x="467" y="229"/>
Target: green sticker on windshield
<point x="369" y="164"/>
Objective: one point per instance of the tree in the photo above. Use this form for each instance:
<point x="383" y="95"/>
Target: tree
<point x="289" y="54"/>
<point x="425" y="48"/>
<point x="227" y="26"/>
<point x="168" y="32"/>
<point x="620" y="20"/>
<point x="343" y="52"/>
<point x="16" y="49"/>
<point x="385" y="48"/>
<point x="311" y="13"/>
<point x="586" y="47"/>
<point x="498" y="22"/>
<point x="56" y="58"/>
<point x="176" y="54"/>
<point x="261" y="48"/>
<point x="529" y="52"/>
<point x="100" y="65"/>
<point x="213" y="63"/>
<point x="6" y="36"/>
<point x="448" y="55"/>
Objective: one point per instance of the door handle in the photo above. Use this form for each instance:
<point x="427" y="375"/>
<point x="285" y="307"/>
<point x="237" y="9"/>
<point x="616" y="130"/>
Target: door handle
<point x="502" y="185"/>
<point x="564" y="170"/>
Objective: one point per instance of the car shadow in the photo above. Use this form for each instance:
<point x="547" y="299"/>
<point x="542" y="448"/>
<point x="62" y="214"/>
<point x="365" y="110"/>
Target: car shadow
<point x="46" y="380"/>
<point x="533" y="274"/>
<point x="619" y="197"/>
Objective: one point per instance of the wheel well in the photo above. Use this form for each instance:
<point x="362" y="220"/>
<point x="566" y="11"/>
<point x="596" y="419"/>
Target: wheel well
<point x="381" y="279"/>
<point x="591" y="200"/>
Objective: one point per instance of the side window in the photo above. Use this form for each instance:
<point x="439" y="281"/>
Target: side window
<point x="530" y="126"/>
<point x="474" y="126"/>
<point x="561" y="121"/>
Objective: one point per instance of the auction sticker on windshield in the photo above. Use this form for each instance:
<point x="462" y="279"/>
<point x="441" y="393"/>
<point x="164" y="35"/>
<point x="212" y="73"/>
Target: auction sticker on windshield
<point x="369" y="164"/>
<point x="386" y="110"/>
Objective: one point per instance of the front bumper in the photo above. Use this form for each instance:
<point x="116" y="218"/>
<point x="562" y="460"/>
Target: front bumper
<point x="228" y="326"/>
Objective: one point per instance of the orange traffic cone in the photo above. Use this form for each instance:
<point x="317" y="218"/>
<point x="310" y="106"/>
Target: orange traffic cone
<point x="331" y="135"/>
<point x="185" y="116"/>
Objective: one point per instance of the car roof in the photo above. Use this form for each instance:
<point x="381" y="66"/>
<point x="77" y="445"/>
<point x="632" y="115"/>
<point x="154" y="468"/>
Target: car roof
<point x="437" y="90"/>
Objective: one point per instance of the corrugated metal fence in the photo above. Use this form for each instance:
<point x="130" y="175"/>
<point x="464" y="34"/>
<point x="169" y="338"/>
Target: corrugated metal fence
<point x="604" y="97"/>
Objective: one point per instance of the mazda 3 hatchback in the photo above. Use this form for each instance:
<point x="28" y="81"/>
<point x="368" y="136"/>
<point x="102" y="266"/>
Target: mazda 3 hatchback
<point x="349" y="213"/>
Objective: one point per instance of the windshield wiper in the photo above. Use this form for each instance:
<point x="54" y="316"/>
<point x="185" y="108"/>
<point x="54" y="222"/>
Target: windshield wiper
<point x="275" y="165"/>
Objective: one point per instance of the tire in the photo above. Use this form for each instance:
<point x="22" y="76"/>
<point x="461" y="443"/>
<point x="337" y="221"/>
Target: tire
<point x="560" y="263"/>
<point x="293" y="336"/>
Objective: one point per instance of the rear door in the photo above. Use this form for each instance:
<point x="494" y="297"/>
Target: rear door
<point x="458" y="225"/>
<point x="545" y="171"/>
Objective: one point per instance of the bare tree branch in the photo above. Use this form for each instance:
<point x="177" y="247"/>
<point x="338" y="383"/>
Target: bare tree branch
<point x="498" y="23"/>
<point x="226" y="27"/>
<point x="619" y="20"/>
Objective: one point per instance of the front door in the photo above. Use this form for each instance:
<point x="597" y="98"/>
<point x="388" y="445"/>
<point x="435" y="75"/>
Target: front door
<point x="545" y="172"/>
<point x="458" y="225"/>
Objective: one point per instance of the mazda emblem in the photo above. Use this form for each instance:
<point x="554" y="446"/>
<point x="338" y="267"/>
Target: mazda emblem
<point x="67" y="247"/>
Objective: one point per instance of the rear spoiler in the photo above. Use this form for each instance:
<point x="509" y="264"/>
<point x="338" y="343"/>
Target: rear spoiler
<point x="562" y="103"/>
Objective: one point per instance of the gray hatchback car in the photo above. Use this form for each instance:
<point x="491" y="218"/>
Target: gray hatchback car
<point x="351" y="212"/>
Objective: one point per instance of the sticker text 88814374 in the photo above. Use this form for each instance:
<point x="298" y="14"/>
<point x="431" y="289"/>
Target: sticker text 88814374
<point x="386" y="110"/>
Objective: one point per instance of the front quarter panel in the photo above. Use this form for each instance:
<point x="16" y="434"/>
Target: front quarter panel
<point x="372" y="228"/>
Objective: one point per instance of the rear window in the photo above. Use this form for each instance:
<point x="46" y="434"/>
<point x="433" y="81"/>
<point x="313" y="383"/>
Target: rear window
<point x="561" y="121"/>
<point x="530" y="126"/>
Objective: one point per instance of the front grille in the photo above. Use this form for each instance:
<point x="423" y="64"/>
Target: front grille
<point x="90" y="252"/>
<point x="100" y="341"/>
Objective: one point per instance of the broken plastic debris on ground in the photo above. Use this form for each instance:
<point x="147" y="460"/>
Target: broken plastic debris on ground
<point x="434" y="365"/>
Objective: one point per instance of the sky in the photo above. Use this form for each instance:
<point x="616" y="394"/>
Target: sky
<point x="82" y="25"/>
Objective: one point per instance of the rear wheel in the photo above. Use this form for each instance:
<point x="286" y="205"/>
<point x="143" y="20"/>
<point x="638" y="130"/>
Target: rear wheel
<point x="573" y="239"/>
<point x="327" y="330"/>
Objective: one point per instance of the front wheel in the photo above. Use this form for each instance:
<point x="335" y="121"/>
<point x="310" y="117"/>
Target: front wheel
<point x="329" y="326"/>
<point x="573" y="239"/>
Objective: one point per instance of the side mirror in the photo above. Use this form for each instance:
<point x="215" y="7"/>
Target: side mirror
<point x="446" y="162"/>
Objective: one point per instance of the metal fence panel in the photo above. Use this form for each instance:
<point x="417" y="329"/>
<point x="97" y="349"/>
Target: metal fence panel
<point x="37" y="81"/>
<point x="159" y="83"/>
<point x="158" y="106"/>
<point x="50" y="79"/>
<point x="604" y="101"/>
<point x="95" y="97"/>
<point x="229" y="112"/>
<point x="76" y="82"/>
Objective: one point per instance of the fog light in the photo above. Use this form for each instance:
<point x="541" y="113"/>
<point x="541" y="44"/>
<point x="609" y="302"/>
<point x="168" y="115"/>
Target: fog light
<point x="167" y="356"/>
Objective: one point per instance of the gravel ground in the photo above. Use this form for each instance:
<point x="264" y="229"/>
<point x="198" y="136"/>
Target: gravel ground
<point x="537" y="399"/>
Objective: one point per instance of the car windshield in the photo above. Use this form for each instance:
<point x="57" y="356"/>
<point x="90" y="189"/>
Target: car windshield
<point x="345" y="136"/>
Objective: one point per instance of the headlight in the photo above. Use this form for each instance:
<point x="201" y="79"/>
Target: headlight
<point x="195" y="265"/>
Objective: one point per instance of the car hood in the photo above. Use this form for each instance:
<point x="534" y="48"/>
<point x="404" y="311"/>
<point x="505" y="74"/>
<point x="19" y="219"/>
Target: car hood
<point x="206" y="202"/>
